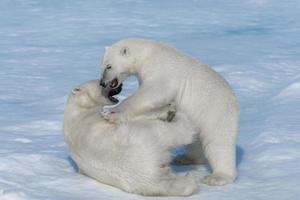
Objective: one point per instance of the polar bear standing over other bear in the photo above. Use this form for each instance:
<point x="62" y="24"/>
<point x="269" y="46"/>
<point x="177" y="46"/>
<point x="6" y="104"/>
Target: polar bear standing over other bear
<point x="167" y="75"/>
<point x="133" y="156"/>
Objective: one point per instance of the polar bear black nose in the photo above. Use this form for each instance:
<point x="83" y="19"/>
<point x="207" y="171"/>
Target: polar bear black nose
<point x="102" y="83"/>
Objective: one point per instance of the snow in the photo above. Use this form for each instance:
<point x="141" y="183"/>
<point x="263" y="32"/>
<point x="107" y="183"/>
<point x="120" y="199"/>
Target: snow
<point x="47" y="47"/>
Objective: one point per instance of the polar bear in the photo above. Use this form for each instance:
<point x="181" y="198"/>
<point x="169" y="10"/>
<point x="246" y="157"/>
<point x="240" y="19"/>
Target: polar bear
<point x="166" y="75"/>
<point x="133" y="156"/>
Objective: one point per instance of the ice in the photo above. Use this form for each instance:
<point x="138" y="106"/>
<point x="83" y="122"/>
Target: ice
<point x="291" y="92"/>
<point x="48" y="47"/>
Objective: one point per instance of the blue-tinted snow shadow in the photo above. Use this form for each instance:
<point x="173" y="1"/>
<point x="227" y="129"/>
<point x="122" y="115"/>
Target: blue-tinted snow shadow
<point x="73" y="164"/>
<point x="239" y="155"/>
<point x="177" y="168"/>
<point x="186" y="168"/>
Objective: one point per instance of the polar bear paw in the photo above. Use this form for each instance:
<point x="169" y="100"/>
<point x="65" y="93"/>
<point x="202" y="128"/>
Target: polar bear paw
<point x="167" y="113"/>
<point x="182" y="185"/>
<point x="192" y="184"/>
<point x="216" y="180"/>
<point x="110" y="116"/>
<point x="106" y="113"/>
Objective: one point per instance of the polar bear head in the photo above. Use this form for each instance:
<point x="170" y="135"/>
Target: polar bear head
<point x="90" y="94"/>
<point x="123" y="59"/>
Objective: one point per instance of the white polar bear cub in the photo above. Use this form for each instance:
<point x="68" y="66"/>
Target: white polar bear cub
<point x="166" y="75"/>
<point x="132" y="156"/>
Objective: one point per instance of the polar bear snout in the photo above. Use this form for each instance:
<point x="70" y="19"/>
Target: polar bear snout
<point x="111" y="92"/>
<point x="113" y="84"/>
<point x="102" y="83"/>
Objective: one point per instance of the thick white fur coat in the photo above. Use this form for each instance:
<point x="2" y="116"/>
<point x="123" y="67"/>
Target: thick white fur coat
<point x="167" y="75"/>
<point x="132" y="156"/>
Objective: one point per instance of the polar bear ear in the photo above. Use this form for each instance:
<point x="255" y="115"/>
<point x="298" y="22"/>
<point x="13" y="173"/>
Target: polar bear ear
<point x="124" y="51"/>
<point x="76" y="90"/>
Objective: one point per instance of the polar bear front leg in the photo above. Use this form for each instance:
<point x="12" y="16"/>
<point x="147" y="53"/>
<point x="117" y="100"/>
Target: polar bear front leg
<point x="166" y="113"/>
<point x="142" y="103"/>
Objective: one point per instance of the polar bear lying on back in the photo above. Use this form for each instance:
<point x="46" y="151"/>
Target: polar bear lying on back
<point x="166" y="75"/>
<point x="132" y="156"/>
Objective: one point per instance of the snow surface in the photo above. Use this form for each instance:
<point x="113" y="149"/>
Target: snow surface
<point x="47" y="47"/>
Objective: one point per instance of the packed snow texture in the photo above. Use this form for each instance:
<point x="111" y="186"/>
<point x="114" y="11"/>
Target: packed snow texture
<point x="47" y="47"/>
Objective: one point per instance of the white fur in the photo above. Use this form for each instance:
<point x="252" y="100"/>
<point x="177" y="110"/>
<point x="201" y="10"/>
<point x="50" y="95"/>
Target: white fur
<point x="166" y="75"/>
<point x="133" y="156"/>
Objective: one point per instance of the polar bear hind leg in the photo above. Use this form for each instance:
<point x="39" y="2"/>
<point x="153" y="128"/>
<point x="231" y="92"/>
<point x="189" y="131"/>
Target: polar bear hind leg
<point x="220" y="152"/>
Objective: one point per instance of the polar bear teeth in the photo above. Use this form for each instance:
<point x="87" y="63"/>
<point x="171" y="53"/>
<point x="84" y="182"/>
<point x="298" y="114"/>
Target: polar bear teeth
<point x="114" y="83"/>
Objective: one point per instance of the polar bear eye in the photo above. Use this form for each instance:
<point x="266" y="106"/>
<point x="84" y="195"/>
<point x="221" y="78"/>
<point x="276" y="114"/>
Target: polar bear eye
<point x="124" y="51"/>
<point x="108" y="66"/>
<point x="76" y="90"/>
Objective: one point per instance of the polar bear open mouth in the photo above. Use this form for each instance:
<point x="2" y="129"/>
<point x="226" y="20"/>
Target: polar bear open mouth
<point x="111" y="92"/>
<point x="114" y="83"/>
